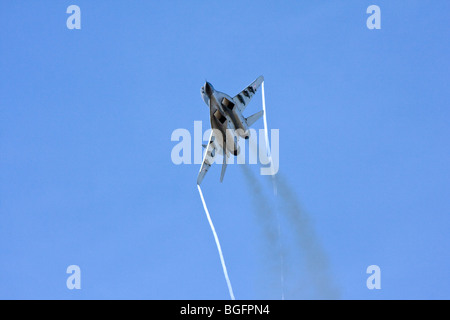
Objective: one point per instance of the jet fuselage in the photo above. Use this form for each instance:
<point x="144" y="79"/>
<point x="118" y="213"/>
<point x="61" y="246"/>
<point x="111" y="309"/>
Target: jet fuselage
<point x="225" y="116"/>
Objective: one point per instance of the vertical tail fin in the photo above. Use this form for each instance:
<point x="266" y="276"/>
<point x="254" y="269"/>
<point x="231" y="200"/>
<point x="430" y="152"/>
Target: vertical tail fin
<point x="224" y="167"/>
<point x="225" y="158"/>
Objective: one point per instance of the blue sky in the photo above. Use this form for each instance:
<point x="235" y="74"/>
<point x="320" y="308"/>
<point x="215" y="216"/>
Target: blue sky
<point x="86" y="118"/>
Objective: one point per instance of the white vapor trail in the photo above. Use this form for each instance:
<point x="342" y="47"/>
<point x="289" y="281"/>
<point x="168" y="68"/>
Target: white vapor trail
<point x="274" y="182"/>
<point x="222" y="260"/>
<point x="266" y="135"/>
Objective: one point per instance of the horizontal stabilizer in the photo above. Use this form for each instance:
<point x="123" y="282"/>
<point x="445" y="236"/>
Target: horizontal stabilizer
<point x="254" y="117"/>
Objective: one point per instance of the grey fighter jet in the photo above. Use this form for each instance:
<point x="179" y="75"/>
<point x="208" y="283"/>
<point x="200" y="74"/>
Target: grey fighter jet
<point x="227" y="123"/>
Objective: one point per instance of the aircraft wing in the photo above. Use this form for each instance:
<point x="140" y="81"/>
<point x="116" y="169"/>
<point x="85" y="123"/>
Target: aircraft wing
<point x="207" y="159"/>
<point x="210" y="153"/>
<point x="243" y="98"/>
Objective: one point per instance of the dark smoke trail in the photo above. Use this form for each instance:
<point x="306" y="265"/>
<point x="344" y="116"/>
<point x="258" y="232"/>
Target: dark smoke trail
<point x="315" y="257"/>
<point x="267" y="218"/>
<point x="263" y="207"/>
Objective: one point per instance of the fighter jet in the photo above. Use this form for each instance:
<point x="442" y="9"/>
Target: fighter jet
<point x="227" y="123"/>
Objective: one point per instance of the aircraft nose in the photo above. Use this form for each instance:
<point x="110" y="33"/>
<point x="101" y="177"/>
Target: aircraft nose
<point x="208" y="89"/>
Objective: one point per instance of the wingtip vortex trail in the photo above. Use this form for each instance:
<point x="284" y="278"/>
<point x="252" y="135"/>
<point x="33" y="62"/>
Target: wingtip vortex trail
<point x="219" y="249"/>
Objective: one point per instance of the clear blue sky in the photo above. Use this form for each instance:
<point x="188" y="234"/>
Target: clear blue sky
<point x="86" y="118"/>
